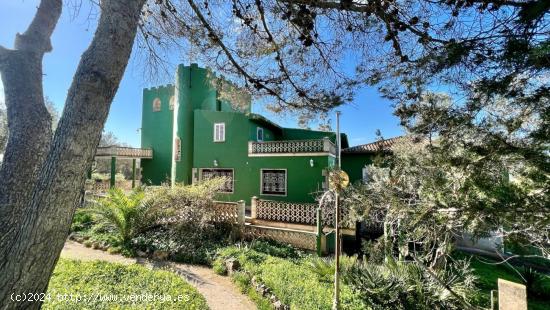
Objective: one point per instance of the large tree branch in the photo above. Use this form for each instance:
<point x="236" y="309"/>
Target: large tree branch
<point x="257" y="83"/>
<point x="27" y="258"/>
<point x="29" y="123"/>
<point x="37" y="36"/>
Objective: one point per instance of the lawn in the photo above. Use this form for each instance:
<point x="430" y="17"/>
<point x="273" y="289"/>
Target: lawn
<point x="102" y="285"/>
<point x="488" y="274"/>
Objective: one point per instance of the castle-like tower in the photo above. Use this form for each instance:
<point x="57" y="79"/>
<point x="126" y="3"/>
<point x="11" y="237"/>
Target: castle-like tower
<point x="168" y="116"/>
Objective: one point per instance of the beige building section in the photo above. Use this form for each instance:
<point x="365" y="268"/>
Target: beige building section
<point x="511" y="295"/>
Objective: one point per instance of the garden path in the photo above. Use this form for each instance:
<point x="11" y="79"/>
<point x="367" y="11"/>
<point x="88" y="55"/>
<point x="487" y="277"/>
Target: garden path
<point x="219" y="291"/>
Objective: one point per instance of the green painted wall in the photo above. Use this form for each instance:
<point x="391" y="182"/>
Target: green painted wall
<point x="156" y="133"/>
<point x="303" y="181"/>
<point x="353" y="165"/>
<point x="268" y="133"/>
<point x="196" y="92"/>
<point x="198" y="106"/>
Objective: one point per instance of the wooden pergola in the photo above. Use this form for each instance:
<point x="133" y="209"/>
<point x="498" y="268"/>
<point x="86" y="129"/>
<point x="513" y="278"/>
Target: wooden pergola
<point x="115" y="152"/>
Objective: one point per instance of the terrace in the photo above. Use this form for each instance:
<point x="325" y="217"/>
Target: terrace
<point x="292" y="148"/>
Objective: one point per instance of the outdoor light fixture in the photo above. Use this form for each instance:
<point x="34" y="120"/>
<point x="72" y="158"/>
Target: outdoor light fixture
<point x="311" y="162"/>
<point x="215" y="162"/>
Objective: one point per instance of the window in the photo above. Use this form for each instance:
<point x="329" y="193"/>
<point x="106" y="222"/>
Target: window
<point x="207" y="174"/>
<point x="219" y="132"/>
<point x="172" y="102"/>
<point x="177" y="147"/>
<point x="156" y="105"/>
<point x="273" y="182"/>
<point x="260" y="134"/>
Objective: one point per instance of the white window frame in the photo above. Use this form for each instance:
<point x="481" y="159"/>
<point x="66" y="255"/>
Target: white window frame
<point x="258" y="131"/>
<point x="157" y="108"/>
<point x="218" y="168"/>
<point x="262" y="182"/>
<point x="219" y="132"/>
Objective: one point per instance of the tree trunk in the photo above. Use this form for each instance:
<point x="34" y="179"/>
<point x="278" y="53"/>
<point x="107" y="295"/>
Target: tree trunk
<point x="29" y="123"/>
<point x="41" y="233"/>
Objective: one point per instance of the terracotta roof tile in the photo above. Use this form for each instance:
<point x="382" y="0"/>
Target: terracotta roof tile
<point x="373" y="147"/>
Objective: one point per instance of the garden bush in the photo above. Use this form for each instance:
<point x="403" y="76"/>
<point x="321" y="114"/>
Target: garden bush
<point x="275" y="248"/>
<point x="175" y="220"/>
<point x="124" y="215"/>
<point x="94" y="285"/>
<point x="408" y="285"/>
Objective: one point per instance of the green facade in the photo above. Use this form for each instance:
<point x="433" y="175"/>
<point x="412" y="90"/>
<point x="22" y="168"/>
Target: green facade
<point x="353" y="165"/>
<point x="156" y="133"/>
<point x="198" y="106"/>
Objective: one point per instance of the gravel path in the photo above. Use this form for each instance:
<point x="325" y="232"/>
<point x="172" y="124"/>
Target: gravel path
<point x="219" y="291"/>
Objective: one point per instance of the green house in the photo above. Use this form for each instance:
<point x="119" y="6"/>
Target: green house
<point x="202" y="126"/>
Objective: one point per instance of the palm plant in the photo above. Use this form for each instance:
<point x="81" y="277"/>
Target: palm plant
<point x="403" y="285"/>
<point x="123" y="214"/>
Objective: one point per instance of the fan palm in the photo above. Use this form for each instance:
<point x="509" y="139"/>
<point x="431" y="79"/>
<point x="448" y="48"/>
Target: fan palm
<point x="124" y="214"/>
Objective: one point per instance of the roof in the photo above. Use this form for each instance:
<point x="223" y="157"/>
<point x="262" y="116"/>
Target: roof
<point x="373" y="147"/>
<point x="262" y="120"/>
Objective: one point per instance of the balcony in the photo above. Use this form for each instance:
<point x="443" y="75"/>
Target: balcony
<point x="291" y="148"/>
<point x="123" y="152"/>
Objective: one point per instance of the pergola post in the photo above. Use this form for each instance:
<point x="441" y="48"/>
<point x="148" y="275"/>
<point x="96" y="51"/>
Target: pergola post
<point x="113" y="171"/>
<point x="133" y="172"/>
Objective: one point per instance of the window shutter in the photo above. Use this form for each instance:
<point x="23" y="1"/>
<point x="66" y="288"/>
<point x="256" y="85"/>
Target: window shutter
<point x="219" y="132"/>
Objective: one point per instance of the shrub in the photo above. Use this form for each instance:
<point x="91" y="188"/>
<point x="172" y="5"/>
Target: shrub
<point x="176" y="220"/>
<point x="106" y="280"/>
<point x="82" y="220"/>
<point x="275" y="248"/>
<point x="123" y="214"/>
<point x="183" y="226"/>
<point x="407" y="285"/>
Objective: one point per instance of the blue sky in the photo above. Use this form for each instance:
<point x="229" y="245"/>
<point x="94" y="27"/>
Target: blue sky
<point x="72" y="35"/>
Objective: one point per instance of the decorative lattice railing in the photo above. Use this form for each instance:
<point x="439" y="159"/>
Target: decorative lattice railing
<point x="230" y="212"/>
<point x="103" y="186"/>
<point x="288" y="212"/>
<point x="299" y="213"/>
<point x="127" y="152"/>
<point x="301" y="239"/>
<point x="292" y="146"/>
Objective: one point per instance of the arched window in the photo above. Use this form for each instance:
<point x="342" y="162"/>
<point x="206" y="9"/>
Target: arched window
<point x="172" y="102"/>
<point x="156" y="105"/>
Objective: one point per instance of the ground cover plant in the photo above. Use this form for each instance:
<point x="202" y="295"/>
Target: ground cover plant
<point x="93" y="285"/>
<point x="290" y="278"/>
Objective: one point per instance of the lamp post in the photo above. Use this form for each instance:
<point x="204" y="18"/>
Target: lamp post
<point x="336" y="302"/>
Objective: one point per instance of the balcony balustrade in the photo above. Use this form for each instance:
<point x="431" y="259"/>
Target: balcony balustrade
<point x="291" y="147"/>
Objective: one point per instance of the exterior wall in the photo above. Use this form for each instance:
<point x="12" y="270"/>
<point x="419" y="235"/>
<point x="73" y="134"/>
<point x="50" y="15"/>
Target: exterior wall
<point x="197" y="107"/>
<point x="196" y="92"/>
<point x="353" y="165"/>
<point x="268" y="133"/>
<point x="156" y="133"/>
<point x="303" y="181"/>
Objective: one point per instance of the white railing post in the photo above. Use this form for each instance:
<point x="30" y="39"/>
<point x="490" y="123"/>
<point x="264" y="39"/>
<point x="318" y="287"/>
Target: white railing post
<point x="253" y="207"/>
<point x="241" y="212"/>
<point x="250" y="148"/>
<point x="326" y="144"/>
